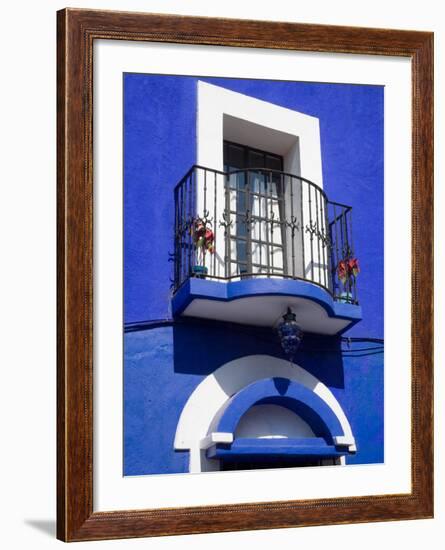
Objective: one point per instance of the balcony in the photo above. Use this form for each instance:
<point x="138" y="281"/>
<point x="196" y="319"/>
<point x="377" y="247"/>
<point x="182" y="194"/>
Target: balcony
<point x="250" y="243"/>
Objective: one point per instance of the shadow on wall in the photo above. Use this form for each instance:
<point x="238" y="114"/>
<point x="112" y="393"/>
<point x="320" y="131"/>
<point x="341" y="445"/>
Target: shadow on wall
<point x="200" y="347"/>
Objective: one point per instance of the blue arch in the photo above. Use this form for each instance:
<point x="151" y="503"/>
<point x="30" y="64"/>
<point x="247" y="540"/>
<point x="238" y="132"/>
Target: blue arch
<point x="285" y="393"/>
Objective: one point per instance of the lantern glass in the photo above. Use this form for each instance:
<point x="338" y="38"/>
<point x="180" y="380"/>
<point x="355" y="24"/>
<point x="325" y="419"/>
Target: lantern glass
<point x="290" y="334"/>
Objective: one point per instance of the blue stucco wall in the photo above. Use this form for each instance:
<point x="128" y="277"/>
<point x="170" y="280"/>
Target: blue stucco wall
<point x="163" y="364"/>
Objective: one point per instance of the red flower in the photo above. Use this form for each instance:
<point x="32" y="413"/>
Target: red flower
<point x="342" y="271"/>
<point x="353" y="266"/>
<point x="203" y="237"/>
<point x="209" y="238"/>
<point x="198" y="230"/>
<point x="347" y="268"/>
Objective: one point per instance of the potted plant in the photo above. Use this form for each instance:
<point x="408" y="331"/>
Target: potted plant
<point x="347" y="271"/>
<point x="203" y="239"/>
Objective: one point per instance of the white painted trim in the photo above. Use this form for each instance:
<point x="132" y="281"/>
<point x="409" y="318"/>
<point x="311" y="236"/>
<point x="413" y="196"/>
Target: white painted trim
<point x="210" y="395"/>
<point x="215" y="103"/>
<point x="215" y="437"/>
<point x="346" y="441"/>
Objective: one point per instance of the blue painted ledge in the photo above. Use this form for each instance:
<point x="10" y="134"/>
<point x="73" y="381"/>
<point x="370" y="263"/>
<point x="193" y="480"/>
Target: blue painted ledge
<point x="266" y="448"/>
<point x="211" y="290"/>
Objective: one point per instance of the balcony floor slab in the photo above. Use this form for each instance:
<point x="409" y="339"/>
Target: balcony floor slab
<point x="263" y="301"/>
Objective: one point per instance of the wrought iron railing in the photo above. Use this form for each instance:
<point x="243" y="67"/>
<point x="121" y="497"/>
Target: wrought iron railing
<point x="262" y="223"/>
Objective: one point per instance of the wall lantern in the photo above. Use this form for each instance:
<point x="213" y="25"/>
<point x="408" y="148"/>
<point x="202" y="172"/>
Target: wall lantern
<point x="290" y="334"/>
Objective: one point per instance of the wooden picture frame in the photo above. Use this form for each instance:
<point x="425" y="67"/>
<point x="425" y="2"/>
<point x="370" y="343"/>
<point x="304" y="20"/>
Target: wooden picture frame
<point x="77" y="31"/>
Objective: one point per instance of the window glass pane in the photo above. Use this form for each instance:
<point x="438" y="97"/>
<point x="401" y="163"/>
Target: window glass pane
<point x="234" y="155"/>
<point x="236" y="181"/>
<point x="259" y="253"/>
<point x="257" y="182"/>
<point x="241" y="250"/>
<point x="258" y="206"/>
<point x="241" y="202"/>
<point x="258" y="269"/>
<point x="241" y="180"/>
<point x="238" y="251"/>
<point x="259" y="230"/>
<point x="238" y="268"/>
<point x="277" y="257"/>
<point x="276" y="236"/>
<point x="275" y="185"/>
<point x="234" y="269"/>
<point x="255" y="159"/>
<point x="233" y="197"/>
<point x="241" y="229"/>
<point x="256" y="247"/>
<point x="274" y="162"/>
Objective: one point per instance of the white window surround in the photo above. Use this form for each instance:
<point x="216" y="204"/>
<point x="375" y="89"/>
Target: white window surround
<point x="226" y="115"/>
<point x="193" y="432"/>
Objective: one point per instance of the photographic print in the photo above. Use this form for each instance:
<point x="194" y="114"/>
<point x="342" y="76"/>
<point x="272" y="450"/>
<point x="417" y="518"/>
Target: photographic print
<point x="253" y="274"/>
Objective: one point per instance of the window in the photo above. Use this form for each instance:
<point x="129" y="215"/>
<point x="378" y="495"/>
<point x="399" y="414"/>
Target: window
<point x="255" y="200"/>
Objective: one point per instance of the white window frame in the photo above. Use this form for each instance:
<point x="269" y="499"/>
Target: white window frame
<point x="226" y="115"/>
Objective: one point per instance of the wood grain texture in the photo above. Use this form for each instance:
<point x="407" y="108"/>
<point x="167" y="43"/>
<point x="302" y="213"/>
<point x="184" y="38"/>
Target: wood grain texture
<point x="76" y="31"/>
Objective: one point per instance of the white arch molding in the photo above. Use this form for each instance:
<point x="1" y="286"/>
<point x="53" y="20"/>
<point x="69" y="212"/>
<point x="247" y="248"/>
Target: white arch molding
<point x="194" y="433"/>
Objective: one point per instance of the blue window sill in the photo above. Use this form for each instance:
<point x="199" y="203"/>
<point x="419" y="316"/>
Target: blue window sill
<point x="266" y="448"/>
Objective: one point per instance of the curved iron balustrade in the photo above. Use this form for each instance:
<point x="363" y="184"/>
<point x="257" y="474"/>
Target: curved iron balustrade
<point x="259" y="222"/>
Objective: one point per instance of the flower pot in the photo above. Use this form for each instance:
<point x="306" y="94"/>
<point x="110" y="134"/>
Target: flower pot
<point x="199" y="271"/>
<point x="345" y="297"/>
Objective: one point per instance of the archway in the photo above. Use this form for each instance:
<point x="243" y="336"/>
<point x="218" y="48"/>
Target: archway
<point x="318" y="446"/>
<point x="195" y="427"/>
